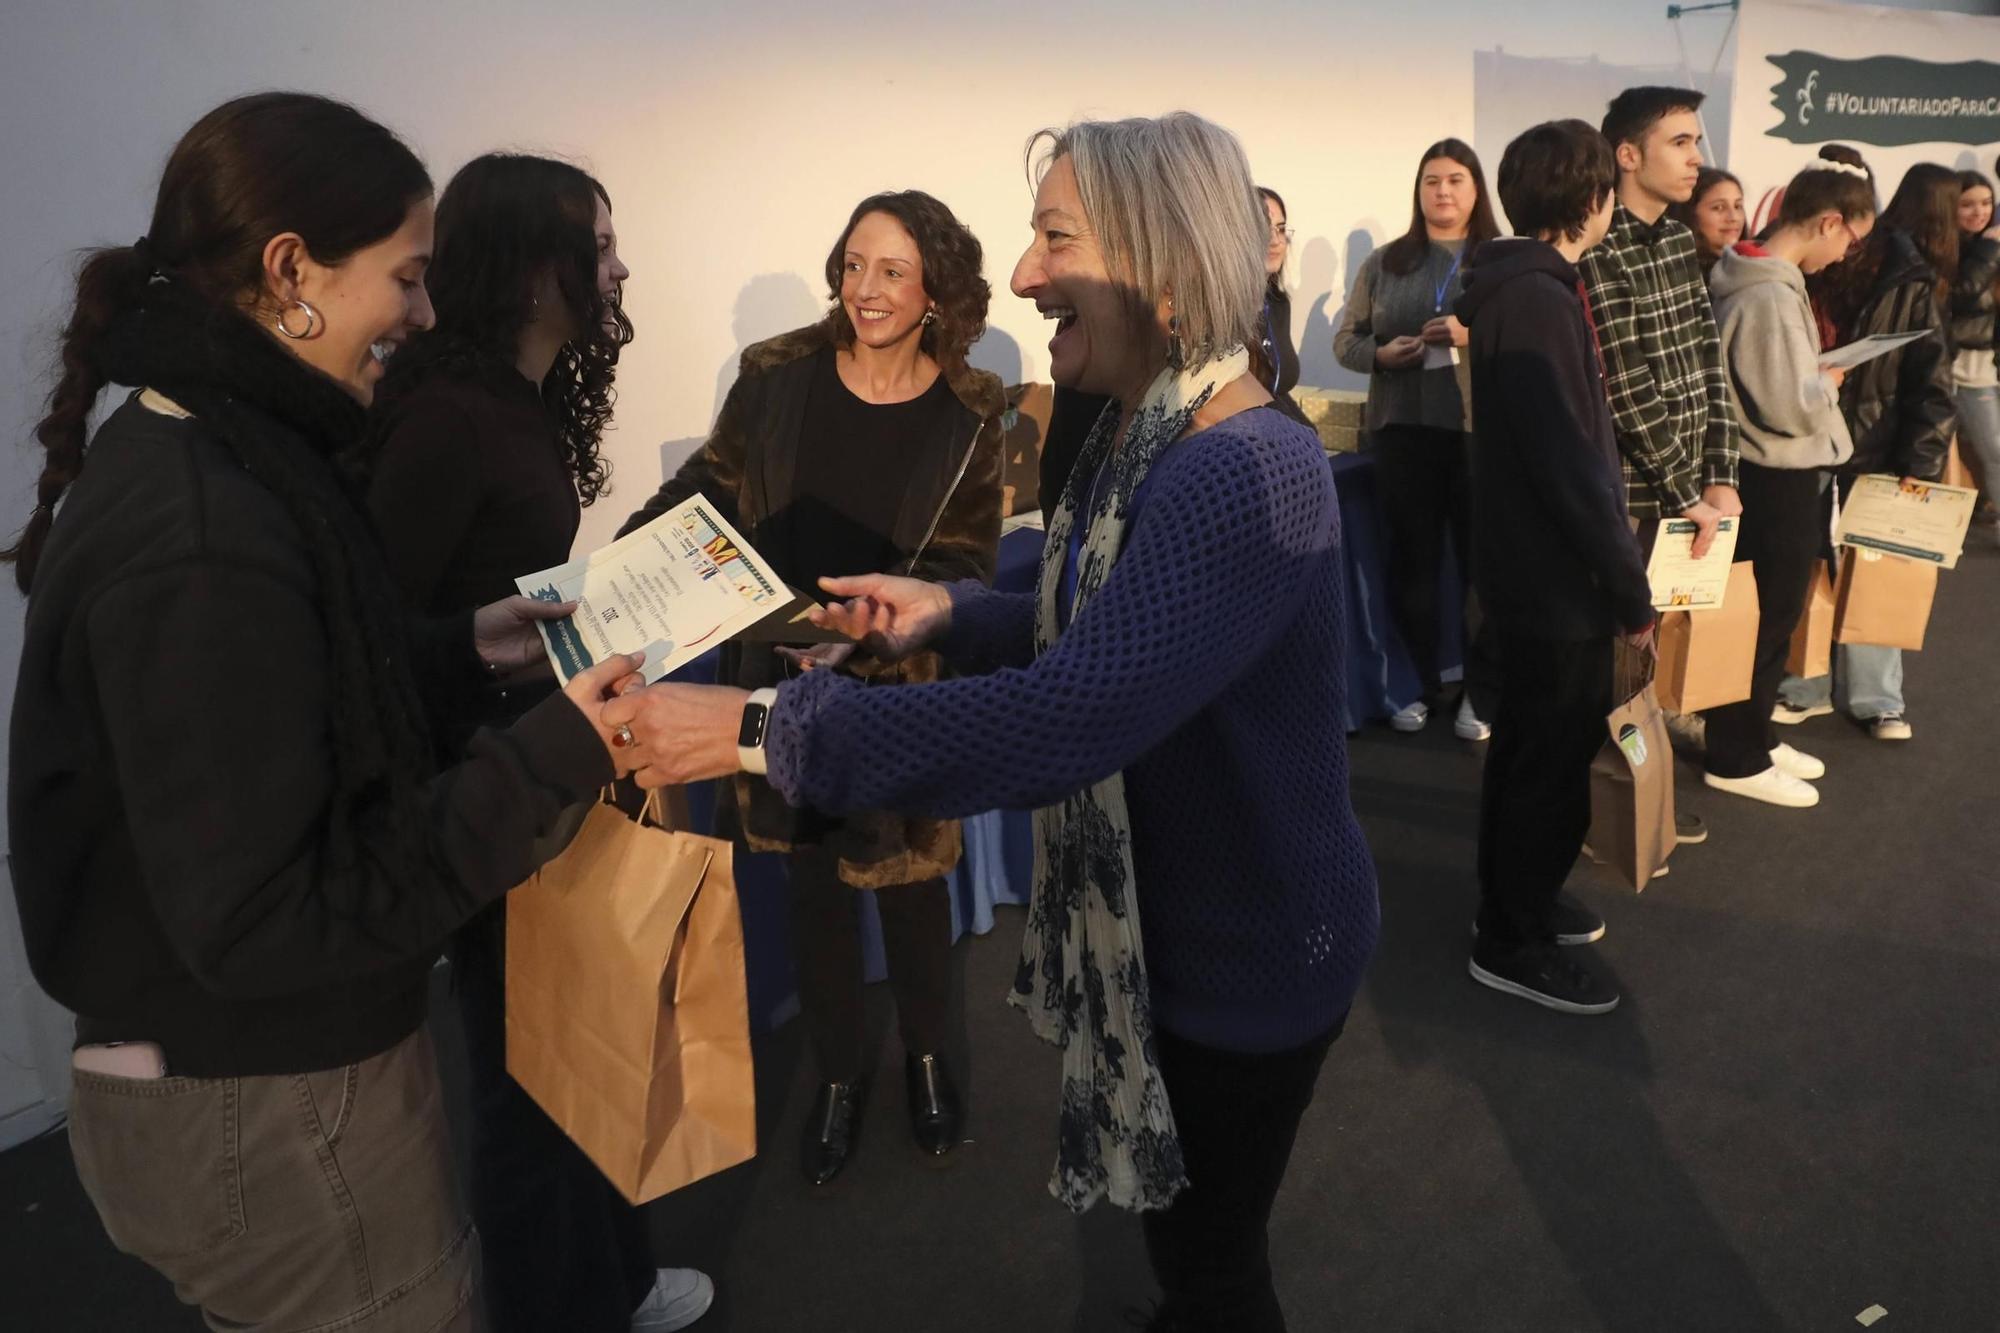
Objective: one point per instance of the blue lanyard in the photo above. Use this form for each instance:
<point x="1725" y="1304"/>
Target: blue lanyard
<point x="1437" y="297"/>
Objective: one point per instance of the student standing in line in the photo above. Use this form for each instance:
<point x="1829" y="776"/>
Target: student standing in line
<point x="486" y="445"/>
<point x="1898" y="407"/>
<point x="1662" y="356"/>
<point x="1713" y="213"/>
<point x="1793" y="431"/>
<point x="1975" y="377"/>
<point x="1559" y="570"/>
<point x="1399" y="331"/>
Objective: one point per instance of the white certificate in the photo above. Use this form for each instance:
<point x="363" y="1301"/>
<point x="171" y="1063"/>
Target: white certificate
<point x="1921" y="520"/>
<point x="1681" y="582"/>
<point x="673" y="589"/>
<point x="1849" y="355"/>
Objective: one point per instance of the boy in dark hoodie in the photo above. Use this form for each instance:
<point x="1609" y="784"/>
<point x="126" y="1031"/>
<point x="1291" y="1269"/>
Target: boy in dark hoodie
<point x="1554" y="558"/>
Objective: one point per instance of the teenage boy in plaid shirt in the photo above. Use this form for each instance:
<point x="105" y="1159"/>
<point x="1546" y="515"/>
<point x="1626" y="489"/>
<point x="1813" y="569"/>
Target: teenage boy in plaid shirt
<point x="1663" y="358"/>
<point x="1662" y="355"/>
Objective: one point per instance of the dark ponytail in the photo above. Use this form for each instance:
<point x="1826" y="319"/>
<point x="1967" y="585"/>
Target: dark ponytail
<point x="108" y="284"/>
<point x="249" y="170"/>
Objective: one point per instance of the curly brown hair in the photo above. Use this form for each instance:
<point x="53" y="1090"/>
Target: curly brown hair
<point x="952" y="261"/>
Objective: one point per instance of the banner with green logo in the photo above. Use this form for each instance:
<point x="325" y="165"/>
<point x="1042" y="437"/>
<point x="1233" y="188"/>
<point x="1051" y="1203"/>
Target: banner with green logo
<point x="1885" y="100"/>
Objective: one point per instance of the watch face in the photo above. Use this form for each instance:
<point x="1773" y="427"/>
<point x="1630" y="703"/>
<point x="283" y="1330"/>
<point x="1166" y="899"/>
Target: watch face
<point x="752" y="733"/>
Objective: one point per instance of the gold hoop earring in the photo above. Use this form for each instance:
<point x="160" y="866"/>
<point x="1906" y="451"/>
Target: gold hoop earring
<point x="313" y="321"/>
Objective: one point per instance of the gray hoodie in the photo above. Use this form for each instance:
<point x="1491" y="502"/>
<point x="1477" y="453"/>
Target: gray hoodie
<point x="1789" y="409"/>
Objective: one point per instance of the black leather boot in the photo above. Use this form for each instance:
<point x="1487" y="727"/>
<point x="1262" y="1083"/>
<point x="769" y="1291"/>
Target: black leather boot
<point x="936" y="1115"/>
<point x="831" y="1129"/>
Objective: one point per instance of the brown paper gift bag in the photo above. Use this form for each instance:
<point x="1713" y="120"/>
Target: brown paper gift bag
<point x="1632" y="778"/>
<point x="1956" y="473"/>
<point x="1706" y="657"/>
<point x="1812" y="637"/>
<point x="628" y="1019"/>
<point x="1884" y="599"/>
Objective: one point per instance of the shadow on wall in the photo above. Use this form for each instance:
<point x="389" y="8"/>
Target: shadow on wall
<point x="1317" y="368"/>
<point x="999" y="353"/>
<point x="769" y="304"/>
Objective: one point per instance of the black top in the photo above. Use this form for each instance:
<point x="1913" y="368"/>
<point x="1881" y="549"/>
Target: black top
<point x="1972" y="297"/>
<point x="854" y="465"/>
<point x="470" y="489"/>
<point x="174" y="778"/>
<point x="1275" y="361"/>
<point x="1071" y="415"/>
<point x="1554" y="556"/>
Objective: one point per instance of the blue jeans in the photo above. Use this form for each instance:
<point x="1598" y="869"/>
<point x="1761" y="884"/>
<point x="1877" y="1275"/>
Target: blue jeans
<point x="1867" y="682"/>
<point x="1979" y="434"/>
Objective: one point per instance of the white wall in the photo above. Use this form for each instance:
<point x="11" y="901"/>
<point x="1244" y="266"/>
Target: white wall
<point x="736" y="138"/>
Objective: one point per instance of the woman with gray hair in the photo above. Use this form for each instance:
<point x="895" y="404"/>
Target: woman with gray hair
<point x="1169" y="703"/>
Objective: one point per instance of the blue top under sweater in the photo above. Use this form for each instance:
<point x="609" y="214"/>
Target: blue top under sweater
<point x="1210" y="669"/>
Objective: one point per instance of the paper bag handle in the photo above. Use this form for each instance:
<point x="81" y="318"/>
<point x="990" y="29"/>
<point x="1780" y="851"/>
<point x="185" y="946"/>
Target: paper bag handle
<point x="665" y="808"/>
<point x="1633" y="669"/>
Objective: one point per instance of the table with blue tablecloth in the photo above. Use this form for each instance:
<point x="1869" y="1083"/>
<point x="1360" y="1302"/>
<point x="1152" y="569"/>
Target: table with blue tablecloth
<point x="999" y="846"/>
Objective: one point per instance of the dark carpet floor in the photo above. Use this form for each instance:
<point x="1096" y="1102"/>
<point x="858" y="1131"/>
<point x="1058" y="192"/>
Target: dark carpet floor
<point x="1794" y="1116"/>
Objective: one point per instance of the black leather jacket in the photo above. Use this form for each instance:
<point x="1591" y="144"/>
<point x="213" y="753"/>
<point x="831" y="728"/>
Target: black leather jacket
<point x="1899" y="406"/>
<point x="1972" y="297"/>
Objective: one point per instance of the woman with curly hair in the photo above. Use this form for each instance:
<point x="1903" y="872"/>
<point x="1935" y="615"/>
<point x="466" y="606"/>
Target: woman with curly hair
<point x="864" y="442"/>
<point x="485" y="437"/>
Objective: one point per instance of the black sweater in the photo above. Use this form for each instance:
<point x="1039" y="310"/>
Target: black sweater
<point x="469" y="488"/>
<point x="172" y="775"/>
<point x="1553" y="555"/>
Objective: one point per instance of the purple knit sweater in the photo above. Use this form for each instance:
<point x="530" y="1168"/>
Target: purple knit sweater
<point x="1210" y="669"/>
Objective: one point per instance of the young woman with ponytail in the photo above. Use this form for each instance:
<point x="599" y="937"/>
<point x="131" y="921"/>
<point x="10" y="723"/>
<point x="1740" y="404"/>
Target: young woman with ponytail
<point x="234" y="855"/>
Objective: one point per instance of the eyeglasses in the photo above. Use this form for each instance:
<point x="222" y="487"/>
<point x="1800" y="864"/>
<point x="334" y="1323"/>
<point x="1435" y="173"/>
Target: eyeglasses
<point x="1278" y="230"/>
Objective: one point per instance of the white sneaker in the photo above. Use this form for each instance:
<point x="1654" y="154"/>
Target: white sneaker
<point x="1798" y="763"/>
<point x="678" y="1298"/>
<point x="1890" y="727"/>
<point x="1773" y="786"/>
<point x="1790" y="715"/>
<point x="1411" y="718"/>
<point x="1468" y="726"/>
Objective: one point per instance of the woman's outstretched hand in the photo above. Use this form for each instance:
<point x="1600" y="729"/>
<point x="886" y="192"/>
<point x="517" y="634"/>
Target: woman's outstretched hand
<point x="889" y="617"/>
<point x="678" y="733"/>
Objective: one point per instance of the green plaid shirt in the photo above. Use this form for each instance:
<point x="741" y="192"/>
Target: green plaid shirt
<point x="1662" y="364"/>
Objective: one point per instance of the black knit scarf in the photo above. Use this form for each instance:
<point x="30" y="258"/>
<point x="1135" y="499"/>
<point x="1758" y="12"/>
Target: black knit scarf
<point x="290" y="427"/>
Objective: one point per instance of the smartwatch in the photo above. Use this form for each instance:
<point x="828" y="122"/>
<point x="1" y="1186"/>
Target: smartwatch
<point x="750" y="737"/>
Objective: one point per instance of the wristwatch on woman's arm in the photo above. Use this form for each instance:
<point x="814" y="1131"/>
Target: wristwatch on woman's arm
<point x="756" y="722"/>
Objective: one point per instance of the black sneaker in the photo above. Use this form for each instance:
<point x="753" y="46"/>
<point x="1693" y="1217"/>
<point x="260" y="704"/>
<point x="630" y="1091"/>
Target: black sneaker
<point x="1573" y="922"/>
<point x="1545" y="976"/>
<point x="1689" y="829"/>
